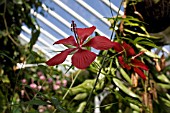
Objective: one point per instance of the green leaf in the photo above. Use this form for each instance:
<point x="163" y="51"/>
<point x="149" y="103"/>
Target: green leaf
<point x="151" y="44"/>
<point x="166" y="86"/>
<point x="5" y="79"/>
<point x="84" y="87"/>
<point x="18" y="2"/>
<point x="36" y="102"/>
<point x="123" y="73"/>
<point x="80" y="96"/>
<point x="3" y="102"/>
<point x="147" y="52"/>
<point x="166" y="102"/>
<point x="57" y="105"/>
<point x="138" y="39"/>
<point x="124" y="88"/>
<point x="35" y="34"/>
<point x="81" y="107"/>
<point x="140" y="34"/>
<point x="2" y="1"/>
<point x="135" y="107"/>
<point x="163" y="78"/>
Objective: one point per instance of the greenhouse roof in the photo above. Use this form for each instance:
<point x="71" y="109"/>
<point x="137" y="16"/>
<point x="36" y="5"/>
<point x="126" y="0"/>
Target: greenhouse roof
<point x="55" y="23"/>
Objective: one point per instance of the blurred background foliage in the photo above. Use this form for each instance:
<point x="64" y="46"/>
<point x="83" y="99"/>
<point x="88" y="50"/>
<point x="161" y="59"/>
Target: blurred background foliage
<point x="47" y="89"/>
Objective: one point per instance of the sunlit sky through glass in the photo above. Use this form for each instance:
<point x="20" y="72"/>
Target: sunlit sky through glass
<point x="53" y="28"/>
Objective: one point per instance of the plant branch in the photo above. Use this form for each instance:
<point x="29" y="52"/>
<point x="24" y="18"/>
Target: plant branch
<point x="6" y="26"/>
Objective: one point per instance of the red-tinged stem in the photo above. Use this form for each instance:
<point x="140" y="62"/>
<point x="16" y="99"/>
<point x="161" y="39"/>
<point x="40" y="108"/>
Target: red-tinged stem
<point x="138" y="55"/>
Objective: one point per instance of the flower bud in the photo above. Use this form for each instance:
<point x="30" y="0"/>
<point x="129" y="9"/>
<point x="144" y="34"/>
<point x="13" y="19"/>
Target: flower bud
<point x="42" y="77"/>
<point x="24" y="81"/>
<point x="64" y="82"/>
<point x="56" y="87"/>
<point x="58" y="82"/>
<point x="33" y="85"/>
<point x="50" y="80"/>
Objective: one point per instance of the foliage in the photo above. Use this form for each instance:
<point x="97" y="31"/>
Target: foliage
<point x="127" y="75"/>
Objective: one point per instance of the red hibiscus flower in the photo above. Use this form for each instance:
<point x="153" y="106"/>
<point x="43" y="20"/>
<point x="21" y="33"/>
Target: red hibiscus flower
<point x="132" y="62"/>
<point x="82" y="57"/>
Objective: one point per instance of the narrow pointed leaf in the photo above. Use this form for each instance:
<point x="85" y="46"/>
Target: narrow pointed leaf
<point x="163" y="78"/>
<point x="147" y="52"/>
<point x="124" y="88"/>
<point x="81" y="107"/>
<point x="34" y="38"/>
<point x="58" y="105"/>
<point x="125" y="75"/>
<point x="36" y="102"/>
<point x="81" y="96"/>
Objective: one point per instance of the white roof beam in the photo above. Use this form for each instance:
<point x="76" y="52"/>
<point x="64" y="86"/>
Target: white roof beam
<point x="51" y="25"/>
<point x="35" y="46"/>
<point x="115" y="8"/>
<point x="55" y="15"/>
<point x="39" y="38"/>
<point x="77" y="16"/>
<point x="93" y="11"/>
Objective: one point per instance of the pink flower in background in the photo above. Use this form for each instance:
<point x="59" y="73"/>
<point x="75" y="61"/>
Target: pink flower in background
<point x="39" y="87"/>
<point x="64" y="82"/>
<point x="56" y="87"/>
<point x="50" y="80"/>
<point x="82" y="57"/>
<point x="33" y="85"/>
<point x="39" y="73"/>
<point x="24" y="81"/>
<point x="58" y="82"/>
<point x="42" y="77"/>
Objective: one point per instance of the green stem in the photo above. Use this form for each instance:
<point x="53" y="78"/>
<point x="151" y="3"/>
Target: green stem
<point x="103" y="61"/>
<point x="71" y="85"/>
<point x="89" y="97"/>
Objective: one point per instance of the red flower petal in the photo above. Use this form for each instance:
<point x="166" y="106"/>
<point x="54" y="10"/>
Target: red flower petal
<point x="117" y="46"/>
<point x="59" y="58"/>
<point x="83" y="33"/>
<point x="83" y="58"/>
<point x="123" y="64"/>
<point x="138" y="63"/>
<point x="129" y="50"/>
<point x="67" y="41"/>
<point x="100" y="43"/>
<point x="140" y="73"/>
